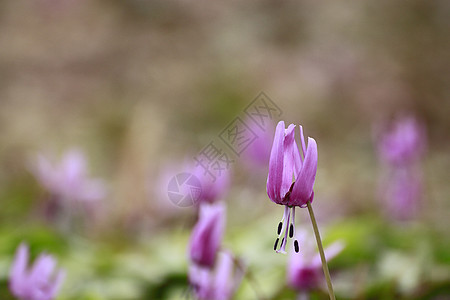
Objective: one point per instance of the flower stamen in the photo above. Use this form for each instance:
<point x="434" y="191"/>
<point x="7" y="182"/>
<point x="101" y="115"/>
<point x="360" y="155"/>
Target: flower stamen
<point x="282" y="227"/>
<point x="292" y="227"/>
<point x="285" y="228"/>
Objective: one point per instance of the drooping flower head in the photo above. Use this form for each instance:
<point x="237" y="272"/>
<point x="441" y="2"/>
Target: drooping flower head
<point x="207" y="234"/>
<point x="291" y="177"/>
<point x="304" y="271"/>
<point x="404" y="142"/>
<point x="68" y="180"/>
<point x="219" y="283"/>
<point x="41" y="282"/>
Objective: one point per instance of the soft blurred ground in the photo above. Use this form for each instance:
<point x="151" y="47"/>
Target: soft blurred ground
<point x="142" y="85"/>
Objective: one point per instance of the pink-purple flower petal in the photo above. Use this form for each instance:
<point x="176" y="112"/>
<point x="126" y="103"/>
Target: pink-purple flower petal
<point x="276" y="165"/>
<point x="304" y="182"/>
<point x="288" y="159"/>
<point x="39" y="283"/>
<point x="207" y="234"/>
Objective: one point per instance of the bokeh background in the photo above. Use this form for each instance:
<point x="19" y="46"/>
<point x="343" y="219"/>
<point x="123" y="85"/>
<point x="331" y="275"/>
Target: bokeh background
<point x="142" y="86"/>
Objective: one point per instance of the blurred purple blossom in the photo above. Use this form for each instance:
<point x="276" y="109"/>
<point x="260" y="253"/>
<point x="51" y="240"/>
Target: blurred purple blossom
<point x="41" y="282"/>
<point x="286" y="164"/>
<point x="402" y="193"/>
<point x="68" y="180"/>
<point x="207" y="234"/>
<point x="305" y="268"/>
<point x="401" y="148"/>
<point x="405" y="141"/>
<point x="219" y="283"/>
<point x="201" y="188"/>
<point x="213" y="189"/>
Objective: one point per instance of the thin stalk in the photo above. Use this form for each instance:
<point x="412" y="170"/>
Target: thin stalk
<point x="322" y="254"/>
<point x="250" y="278"/>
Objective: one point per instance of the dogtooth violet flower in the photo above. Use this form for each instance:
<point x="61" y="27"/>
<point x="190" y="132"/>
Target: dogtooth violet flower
<point x="402" y="193"/>
<point x="207" y="234"/>
<point x="219" y="283"/>
<point x="41" y="282"/>
<point x="400" y="147"/>
<point x="68" y="180"/>
<point x="403" y="142"/>
<point x="291" y="178"/>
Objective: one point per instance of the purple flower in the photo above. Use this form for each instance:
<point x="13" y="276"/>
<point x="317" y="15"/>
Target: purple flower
<point x="38" y="283"/>
<point x="291" y="179"/>
<point x="219" y="283"/>
<point x="305" y="268"/>
<point x="403" y="143"/>
<point x="207" y="234"/>
<point x="401" y="148"/>
<point x="68" y="180"/>
<point x="212" y="188"/>
<point x="402" y="193"/>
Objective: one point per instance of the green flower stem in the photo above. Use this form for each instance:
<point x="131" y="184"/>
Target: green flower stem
<point x="322" y="254"/>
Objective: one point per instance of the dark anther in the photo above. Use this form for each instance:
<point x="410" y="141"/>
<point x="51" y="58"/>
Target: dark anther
<point x="280" y="226"/>
<point x="282" y="243"/>
<point x="296" y="246"/>
<point x="291" y="231"/>
<point x="276" y="244"/>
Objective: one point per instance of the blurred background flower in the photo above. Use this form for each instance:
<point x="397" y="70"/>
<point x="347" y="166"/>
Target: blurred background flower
<point x="404" y="143"/>
<point x="207" y="235"/>
<point x="305" y="269"/>
<point x="219" y="283"/>
<point x="400" y="148"/>
<point x="40" y="282"/>
<point x="68" y="181"/>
